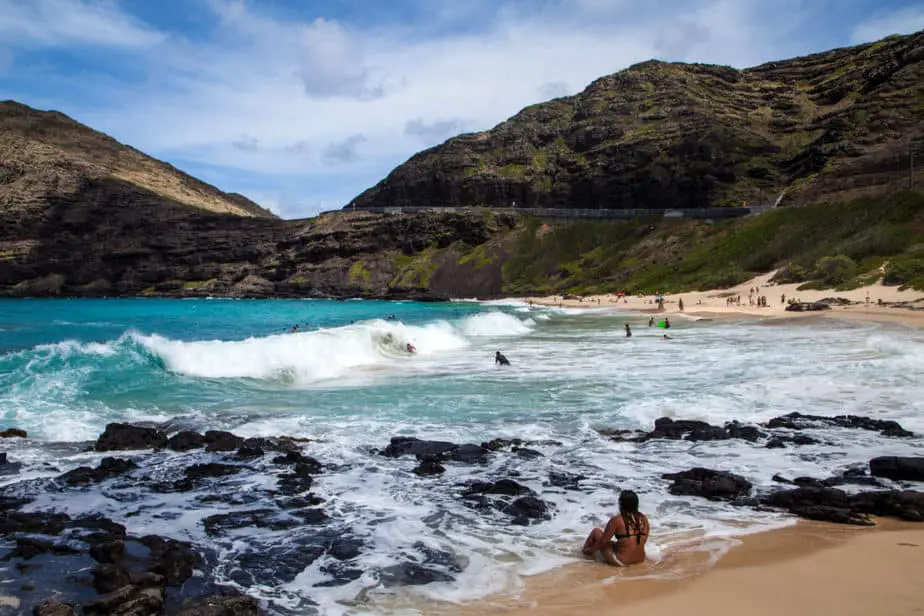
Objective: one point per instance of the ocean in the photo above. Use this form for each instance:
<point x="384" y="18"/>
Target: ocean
<point x="346" y="382"/>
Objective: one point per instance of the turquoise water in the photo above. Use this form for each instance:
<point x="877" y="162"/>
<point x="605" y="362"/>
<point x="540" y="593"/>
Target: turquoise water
<point x="346" y="381"/>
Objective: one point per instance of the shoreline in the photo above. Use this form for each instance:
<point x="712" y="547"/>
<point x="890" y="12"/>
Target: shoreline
<point x="789" y="570"/>
<point x="862" y="304"/>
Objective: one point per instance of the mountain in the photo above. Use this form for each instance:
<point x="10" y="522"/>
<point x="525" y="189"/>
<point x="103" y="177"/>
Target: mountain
<point x="48" y="160"/>
<point x="829" y="126"/>
<point x="82" y="215"/>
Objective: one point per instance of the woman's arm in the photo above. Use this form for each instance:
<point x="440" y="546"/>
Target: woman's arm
<point x="612" y="527"/>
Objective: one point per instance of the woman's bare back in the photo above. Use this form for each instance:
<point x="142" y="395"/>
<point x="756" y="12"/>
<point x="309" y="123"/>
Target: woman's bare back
<point x="630" y="542"/>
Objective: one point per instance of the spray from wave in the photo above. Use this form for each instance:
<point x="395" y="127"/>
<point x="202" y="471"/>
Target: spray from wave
<point x="303" y="358"/>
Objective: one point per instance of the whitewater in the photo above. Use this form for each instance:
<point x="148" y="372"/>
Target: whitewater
<point x="347" y="383"/>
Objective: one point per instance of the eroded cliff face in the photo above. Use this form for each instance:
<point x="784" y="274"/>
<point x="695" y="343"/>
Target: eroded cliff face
<point x="829" y="126"/>
<point x="83" y="215"/>
<point x="103" y="241"/>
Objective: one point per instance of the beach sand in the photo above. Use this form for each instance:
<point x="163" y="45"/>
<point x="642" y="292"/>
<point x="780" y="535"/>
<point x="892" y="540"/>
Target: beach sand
<point x="712" y="304"/>
<point x="811" y="568"/>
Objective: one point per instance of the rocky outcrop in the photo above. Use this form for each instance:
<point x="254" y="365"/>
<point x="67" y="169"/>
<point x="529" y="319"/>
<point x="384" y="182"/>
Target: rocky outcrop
<point x="119" y="436"/>
<point x="668" y="135"/>
<point x="892" y="467"/>
<point x="708" y="483"/>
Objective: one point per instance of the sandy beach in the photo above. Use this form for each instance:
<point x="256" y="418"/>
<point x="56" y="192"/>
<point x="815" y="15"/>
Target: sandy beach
<point x="713" y="303"/>
<point x="810" y="568"/>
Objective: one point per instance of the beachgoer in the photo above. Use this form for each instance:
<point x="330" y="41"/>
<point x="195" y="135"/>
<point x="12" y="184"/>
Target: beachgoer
<point x="411" y="348"/>
<point x="667" y="323"/>
<point x="651" y="322"/>
<point x="680" y="304"/>
<point x="500" y="359"/>
<point x="783" y="298"/>
<point x="629" y="529"/>
<point x="295" y="328"/>
<point x="666" y="337"/>
<point x="628" y="331"/>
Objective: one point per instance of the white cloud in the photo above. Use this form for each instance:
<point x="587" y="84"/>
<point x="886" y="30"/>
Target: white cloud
<point x="903" y="21"/>
<point x="68" y="22"/>
<point x="320" y="109"/>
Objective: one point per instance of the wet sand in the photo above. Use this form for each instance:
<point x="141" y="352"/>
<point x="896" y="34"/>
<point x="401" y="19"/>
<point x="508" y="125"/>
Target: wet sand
<point x="810" y="568"/>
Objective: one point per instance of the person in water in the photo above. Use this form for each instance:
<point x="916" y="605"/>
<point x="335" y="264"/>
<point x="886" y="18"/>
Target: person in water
<point x="500" y="359"/>
<point x="667" y="323"/>
<point x="651" y="322"/>
<point x="295" y="328"/>
<point x="628" y="331"/>
<point x="411" y="348"/>
<point x="622" y="541"/>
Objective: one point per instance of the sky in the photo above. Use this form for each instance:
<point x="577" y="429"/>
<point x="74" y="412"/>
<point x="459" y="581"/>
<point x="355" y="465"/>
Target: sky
<point x="303" y="104"/>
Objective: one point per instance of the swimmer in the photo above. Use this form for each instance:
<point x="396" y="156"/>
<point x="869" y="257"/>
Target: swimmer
<point x="295" y="328"/>
<point x="629" y="529"/>
<point x="628" y="331"/>
<point x="500" y="359"/>
<point x="651" y="322"/>
<point x="411" y="348"/>
<point x="666" y="337"/>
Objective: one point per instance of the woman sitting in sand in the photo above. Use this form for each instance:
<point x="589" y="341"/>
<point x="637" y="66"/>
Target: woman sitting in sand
<point x="630" y="531"/>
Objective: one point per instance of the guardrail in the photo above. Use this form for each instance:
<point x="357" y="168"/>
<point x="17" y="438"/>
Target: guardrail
<point x="578" y="213"/>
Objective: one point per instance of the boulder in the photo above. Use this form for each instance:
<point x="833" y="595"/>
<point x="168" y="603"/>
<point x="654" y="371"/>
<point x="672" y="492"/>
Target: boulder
<point x="185" y="440"/>
<point x="127" y="601"/>
<point x="409" y="445"/>
<point x="897" y="468"/>
<point x="119" y="436"/>
<point x="13" y="433"/>
<point x="468" y="454"/>
<point x="50" y="607"/>
<point x="298" y="458"/>
<point x="108" y="467"/>
<point x="221" y="606"/>
<point x="710" y="484"/>
<point x="799" y="421"/>
<point x="569" y="481"/>
<point x="219" y="440"/>
<point x="507" y="487"/>
<point x="527" y="508"/>
<point x="175" y="560"/>
<point x="212" y="469"/>
<point x="686" y="429"/>
<point x="429" y="466"/>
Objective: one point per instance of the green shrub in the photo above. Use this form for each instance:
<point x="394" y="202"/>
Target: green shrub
<point x="905" y="270"/>
<point x="833" y="271"/>
<point x="790" y="273"/>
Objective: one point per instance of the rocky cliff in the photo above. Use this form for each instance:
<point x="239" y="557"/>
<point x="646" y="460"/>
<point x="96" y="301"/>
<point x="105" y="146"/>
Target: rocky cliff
<point x="829" y="126"/>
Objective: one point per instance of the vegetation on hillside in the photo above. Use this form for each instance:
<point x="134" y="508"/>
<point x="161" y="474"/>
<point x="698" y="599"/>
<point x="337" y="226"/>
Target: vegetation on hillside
<point x="826" y="127"/>
<point x="824" y="246"/>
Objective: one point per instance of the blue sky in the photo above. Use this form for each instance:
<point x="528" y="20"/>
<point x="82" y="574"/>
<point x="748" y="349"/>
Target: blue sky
<point x="302" y="104"/>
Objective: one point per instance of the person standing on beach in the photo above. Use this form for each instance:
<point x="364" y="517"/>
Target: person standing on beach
<point x="680" y="304"/>
<point x="629" y="529"/>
